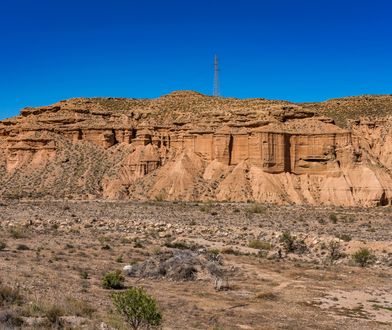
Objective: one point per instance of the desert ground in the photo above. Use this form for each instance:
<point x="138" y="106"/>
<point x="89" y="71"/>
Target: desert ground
<point x="233" y="266"/>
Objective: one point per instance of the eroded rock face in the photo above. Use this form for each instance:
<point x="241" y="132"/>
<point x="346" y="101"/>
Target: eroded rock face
<point x="187" y="146"/>
<point x="29" y="149"/>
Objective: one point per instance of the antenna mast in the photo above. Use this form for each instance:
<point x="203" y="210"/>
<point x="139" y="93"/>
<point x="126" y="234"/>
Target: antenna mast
<point x="216" y="76"/>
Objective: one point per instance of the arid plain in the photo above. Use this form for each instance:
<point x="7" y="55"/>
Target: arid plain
<point x="57" y="253"/>
<point x="233" y="214"/>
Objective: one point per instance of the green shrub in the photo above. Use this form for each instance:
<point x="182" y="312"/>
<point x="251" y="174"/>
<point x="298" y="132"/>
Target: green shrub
<point x="53" y="314"/>
<point x="335" y="251"/>
<point x="207" y="207"/>
<point x="363" y="257"/>
<point x="214" y="252"/>
<point x="54" y="310"/>
<point x="288" y="241"/>
<point x="138" y="308"/>
<point x="84" y="274"/>
<point x="78" y="307"/>
<point x="138" y="244"/>
<point x="333" y="217"/>
<point x="256" y="208"/>
<point x="230" y="250"/>
<point x="344" y="237"/>
<point x="17" y="232"/>
<point x="258" y="244"/>
<point x="113" y="280"/>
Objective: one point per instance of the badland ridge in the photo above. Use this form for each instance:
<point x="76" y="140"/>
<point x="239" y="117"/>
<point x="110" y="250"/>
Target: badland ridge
<point x="189" y="146"/>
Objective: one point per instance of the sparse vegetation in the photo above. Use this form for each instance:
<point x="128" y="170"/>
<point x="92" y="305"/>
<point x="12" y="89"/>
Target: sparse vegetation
<point x="363" y="257"/>
<point x="178" y="245"/>
<point x="335" y="251"/>
<point x="10" y="296"/>
<point x="84" y="275"/>
<point x="288" y="241"/>
<point x="344" y="237"/>
<point x="22" y="247"/>
<point x="68" y="246"/>
<point x="9" y="319"/>
<point x="256" y="208"/>
<point x="188" y="267"/>
<point x="53" y="311"/>
<point x="78" y="307"/>
<point x="268" y="295"/>
<point x="17" y="232"/>
<point x="261" y="245"/>
<point x="161" y="196"/>
<point x="230" y="250"/>
<point x="333" y="217"/>
<point x="113" y="280"/>
<point x="138" y="244"/>
<point x="378" y="306"/>
<point x="214" y="252"/>
<point x="292" y="243"/>
<point x="138" y="308"/>
<point x="221" y="283"/>
<point x="207" y="207"/>
<point x="53" y="314"/>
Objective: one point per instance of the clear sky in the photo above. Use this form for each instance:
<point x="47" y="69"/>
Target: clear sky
<point x="298" y="50"/>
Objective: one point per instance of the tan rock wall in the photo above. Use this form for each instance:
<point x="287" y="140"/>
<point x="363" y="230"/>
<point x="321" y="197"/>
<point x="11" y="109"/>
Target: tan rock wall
<point x="103" y="138"/>
<point x="28" y="151"/>
<point x="318" y="153"/>
<point x="275" y="152"/>
<point x="222" y="146"/>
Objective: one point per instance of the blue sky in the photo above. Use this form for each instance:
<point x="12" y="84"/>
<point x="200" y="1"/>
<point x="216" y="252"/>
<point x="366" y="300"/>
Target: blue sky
<point x="304" y="50"/>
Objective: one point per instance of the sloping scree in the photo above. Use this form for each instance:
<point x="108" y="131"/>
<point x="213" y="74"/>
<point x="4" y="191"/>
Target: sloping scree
<point x="177" y="265"/>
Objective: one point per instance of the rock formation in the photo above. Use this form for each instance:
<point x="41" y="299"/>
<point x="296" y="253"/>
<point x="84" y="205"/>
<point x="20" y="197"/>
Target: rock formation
<point x="188" y="146"/>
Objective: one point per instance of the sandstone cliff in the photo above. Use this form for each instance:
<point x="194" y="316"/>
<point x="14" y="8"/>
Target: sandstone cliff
<point x="188" y="146"/>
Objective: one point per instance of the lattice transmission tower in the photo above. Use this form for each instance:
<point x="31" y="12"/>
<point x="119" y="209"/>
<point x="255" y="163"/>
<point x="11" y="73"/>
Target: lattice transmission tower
<point x="216" y="76"/>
